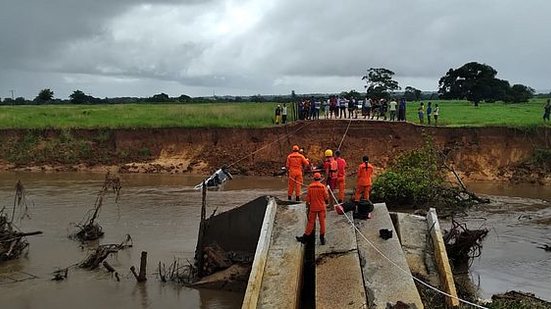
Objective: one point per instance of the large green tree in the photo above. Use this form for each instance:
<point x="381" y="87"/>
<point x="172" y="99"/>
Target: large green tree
<point x="412" y="94"/>
<point x="477" y="82"/>
<point x="520" y="93"/>
<point x="78" y="97"/>
<point x="379" y="81"/>
<point x="44" y="96"/>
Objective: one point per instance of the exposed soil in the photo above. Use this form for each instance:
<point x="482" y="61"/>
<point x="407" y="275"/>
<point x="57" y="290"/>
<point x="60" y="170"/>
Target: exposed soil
<point x="494" y="153"/>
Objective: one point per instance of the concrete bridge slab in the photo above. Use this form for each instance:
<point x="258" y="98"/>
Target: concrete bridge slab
<point x="385" y="283"/>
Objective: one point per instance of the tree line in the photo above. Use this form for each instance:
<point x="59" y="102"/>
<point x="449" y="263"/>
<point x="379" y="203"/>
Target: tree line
<point x="473" y="81"/>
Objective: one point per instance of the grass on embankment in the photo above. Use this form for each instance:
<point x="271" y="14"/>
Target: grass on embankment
<point x="463" y="113"/>
<point x="243" y="115"/>
<point x="240" y="115"/>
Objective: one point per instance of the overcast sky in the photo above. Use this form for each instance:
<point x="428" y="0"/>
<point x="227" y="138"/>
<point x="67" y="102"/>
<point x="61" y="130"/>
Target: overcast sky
<point x="246" y="47"/>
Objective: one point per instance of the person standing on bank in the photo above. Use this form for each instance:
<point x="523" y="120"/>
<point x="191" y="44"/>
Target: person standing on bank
<point x="547" y="110"/>
<point x="341" y="172"/>
<point x="295" y="165"/>
<point x="284" y="113"/>
<point x="317" y="198"/>
<point x="429" y="112"/>
<point x="278" y="114"/>
<point x="421" y="113"/>
<point x="436" y="114"/>
<point x="392" y="108"/>
<point x="363" y="184"/>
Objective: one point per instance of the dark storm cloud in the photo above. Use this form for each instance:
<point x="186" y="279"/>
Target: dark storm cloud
<point x="249" y="47"/>
<point x="32" y="30"/>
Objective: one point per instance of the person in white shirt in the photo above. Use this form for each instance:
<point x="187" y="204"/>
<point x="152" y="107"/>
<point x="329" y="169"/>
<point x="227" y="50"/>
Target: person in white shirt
<point x="392" y="108"/>
<point x="284" y="113"/>
<point x="436" y="113"/>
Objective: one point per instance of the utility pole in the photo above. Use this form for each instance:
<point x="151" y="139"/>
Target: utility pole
<point x="12" y="94"/>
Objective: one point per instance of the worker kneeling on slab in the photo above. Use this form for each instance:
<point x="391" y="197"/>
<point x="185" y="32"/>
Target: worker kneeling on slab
<point x="317" y="198"/>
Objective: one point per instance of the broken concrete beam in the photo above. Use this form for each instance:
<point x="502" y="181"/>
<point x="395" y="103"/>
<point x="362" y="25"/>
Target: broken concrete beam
<point x="282" y="278"/>
<point x="413" y="233"/>
<point x="441" y="257"/>
<point x="339" y="282"/>
<point x="254" y="284"/>
<point x="385" y="282"/>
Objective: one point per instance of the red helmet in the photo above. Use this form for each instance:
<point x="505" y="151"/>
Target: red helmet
<point x="317" y="176"/>
<point x="295" y="148"/>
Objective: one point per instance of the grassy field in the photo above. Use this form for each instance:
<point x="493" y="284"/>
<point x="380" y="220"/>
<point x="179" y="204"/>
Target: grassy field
<point x="463" y="113"/>
<point x="244" y="115"/>
<point x="240" y="115"/>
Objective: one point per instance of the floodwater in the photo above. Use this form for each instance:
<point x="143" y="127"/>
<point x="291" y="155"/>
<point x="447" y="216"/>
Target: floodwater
<point x="519" y="220"/>
<point x="161" y="213"/>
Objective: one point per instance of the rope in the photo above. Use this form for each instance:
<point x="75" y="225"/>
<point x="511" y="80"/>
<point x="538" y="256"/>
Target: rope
<point x="265" y="146"/>
<point x="407" y="272"/>
<point x="344" y="135"/>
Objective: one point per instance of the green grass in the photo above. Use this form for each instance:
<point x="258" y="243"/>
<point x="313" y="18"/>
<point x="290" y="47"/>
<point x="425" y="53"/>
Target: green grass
<point x="243" y="115"/>
<point x="240" y="115"/>
<point x="464" y="114"/>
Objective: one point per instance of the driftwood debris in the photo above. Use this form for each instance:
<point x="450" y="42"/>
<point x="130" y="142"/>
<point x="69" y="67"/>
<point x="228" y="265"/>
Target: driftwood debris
<point x="111" y="269"/>
<point x="178" y="272"/>
<point x="12" y="241"/>
<point x="464" y="195"/>
<point x="463" y="245"/>
<point x="515" y="299"/>
<point x="60" y="274"/>
<point x="142" y="276"/>
<point x="88" y="228"/>
<point x="214" y="259"/>
<point x="94" y="259"/>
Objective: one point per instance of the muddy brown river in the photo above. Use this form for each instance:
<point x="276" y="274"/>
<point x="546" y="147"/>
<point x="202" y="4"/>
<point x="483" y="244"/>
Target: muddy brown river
<point x="161" y="213"/>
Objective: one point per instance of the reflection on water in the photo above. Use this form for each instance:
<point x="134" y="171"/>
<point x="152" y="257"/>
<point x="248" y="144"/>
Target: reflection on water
<point x="161" y="213"/>
<point x="511" y="259"/>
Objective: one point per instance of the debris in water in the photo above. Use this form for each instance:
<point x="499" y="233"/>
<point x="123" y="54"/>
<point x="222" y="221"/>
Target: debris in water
<point x="88" y="229"/>
<point x="178" y="272"/>
<point x="93" y="260"/>
<point x="216" y="180"/>
<point x="12" y="241"/>
<point x="462" y="244"/>
<point x="60" y="274"/>
<point x="514" y="299"/>
<point x="141" y="277"/>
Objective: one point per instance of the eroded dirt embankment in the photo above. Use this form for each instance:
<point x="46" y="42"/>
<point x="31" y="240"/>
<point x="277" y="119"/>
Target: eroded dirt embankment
<point x="477" y="153"/>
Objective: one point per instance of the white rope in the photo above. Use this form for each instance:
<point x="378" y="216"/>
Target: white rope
<point x="407" y="272"/>
<point x="344" y="135"/>
<point x="265" y="146"/>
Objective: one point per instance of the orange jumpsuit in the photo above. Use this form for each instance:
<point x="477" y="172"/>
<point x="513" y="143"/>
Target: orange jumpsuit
<point x="341" y="166"/>
<point x="295" y="163"/>
<point x="365" y="171"/>
<point x="316" y="198"/>
<point x="330" y="166"/>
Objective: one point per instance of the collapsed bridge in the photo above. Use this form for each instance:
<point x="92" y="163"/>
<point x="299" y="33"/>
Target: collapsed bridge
<point x="355" y="269"/>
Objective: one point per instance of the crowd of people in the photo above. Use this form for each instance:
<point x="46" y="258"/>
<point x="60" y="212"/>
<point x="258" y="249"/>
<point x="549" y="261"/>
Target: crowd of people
<point x="336" y="107"/>
<point x="329" y="183"/>
<point x="430" y="113"/>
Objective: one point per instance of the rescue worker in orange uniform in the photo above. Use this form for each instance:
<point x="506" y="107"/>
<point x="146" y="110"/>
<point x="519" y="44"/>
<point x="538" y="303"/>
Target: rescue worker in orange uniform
<point x="309" y="167"/>
<point x="295" y="164"/>
<point x="330" y="166"/>
<point x="317" y="198"/>
<point x="341" y="167"/>
<point x="363" y="184"/>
